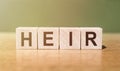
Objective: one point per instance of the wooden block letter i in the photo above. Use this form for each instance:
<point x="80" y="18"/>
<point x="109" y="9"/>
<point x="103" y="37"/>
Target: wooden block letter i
<point x="70" y="38"/>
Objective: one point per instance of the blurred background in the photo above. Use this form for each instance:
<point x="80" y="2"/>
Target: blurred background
<point x="59" y="13"/>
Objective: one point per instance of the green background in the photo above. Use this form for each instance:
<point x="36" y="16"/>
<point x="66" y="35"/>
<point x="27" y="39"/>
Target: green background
<point x="59" y="13"/>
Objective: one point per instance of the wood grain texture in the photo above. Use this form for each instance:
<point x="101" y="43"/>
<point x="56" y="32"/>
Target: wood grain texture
<point x="107" y="59"/>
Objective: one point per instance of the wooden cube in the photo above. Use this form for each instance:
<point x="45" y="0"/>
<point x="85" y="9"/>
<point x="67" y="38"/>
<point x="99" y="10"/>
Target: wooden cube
<point x="48" y="38"/>
<point x="26" y="38"/>
<point x="70" y="38"/>
<point x="91" y="38"/>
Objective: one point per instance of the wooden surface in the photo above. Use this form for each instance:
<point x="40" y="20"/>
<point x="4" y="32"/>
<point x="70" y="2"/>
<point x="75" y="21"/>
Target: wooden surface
<point x="107" y="59"/>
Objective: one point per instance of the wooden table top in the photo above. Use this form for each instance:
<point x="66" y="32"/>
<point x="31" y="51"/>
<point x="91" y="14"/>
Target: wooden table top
<point x="107" y="59"/>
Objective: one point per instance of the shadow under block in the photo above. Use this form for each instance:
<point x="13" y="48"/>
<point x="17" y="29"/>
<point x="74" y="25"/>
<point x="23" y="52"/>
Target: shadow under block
<point x="70" y="38"/>
<point x="26" y="38"/>
<point x="48" y="38"/>
<point x="91" y="38"/>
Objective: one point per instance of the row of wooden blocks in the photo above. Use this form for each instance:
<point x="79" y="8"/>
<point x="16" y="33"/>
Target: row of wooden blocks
<point x="58" y="38"/>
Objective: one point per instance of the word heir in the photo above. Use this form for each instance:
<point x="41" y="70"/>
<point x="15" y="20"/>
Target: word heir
<point x="58" y="38"/>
